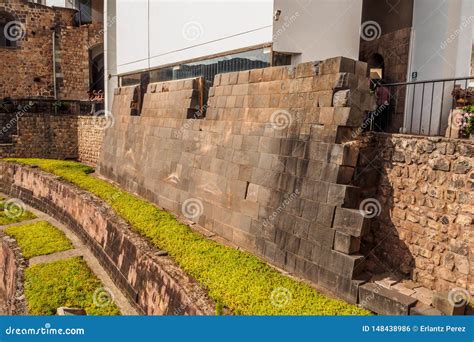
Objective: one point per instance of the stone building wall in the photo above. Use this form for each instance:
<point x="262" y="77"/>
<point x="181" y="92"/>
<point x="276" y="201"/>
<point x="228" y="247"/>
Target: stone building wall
<point x="425" y="228"/>
<point x="90" y="135"/>
<point x="394" y="47"/>
<point x="27" y="70"/>
<point x="42" y="135"/>
<point x="269" y="168"/>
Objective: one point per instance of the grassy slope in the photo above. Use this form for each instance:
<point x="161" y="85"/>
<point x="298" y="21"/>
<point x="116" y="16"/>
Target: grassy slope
<point x="68" y="283"/>
<point x="39" y="238"/>
<point x="234" y="278"/>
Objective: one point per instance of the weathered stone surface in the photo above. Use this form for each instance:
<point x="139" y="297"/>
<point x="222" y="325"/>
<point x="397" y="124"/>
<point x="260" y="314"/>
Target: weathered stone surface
<point x="445" y="303"/>
<point x="351" y="222"/>
<point x="265" y="156"/>
<point x="424" y="310"/>
<point x="384" y="301"/>
<point x="346" y="244"/>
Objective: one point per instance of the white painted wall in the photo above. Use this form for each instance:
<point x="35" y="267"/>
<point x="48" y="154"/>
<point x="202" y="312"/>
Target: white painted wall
<point x="318" y="29"/>
<point x="110" y="52"/>
<point x="185" y="29"/>
<point x="440" y="48"/>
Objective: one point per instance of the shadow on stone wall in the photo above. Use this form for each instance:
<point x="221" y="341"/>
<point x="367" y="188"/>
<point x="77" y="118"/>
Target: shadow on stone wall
<point x="385" y="247"/>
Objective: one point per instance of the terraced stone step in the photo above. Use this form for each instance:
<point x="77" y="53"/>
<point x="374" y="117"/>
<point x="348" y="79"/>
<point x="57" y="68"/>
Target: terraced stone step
<point x="384" y="301"/>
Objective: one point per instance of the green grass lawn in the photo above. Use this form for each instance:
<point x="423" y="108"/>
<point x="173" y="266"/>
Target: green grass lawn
<point x="235" y="279"/>
<point x="69" y="283"/>
<point x="39" y="238"/>
<point x="14" y="215"/>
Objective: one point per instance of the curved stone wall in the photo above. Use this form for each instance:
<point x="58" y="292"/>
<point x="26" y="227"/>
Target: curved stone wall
<point x="13" y="264"/>
<point x="152" y="282"/>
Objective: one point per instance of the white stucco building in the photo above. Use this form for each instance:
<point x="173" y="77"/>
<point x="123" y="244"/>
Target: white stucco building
<point x="155" y="40"/>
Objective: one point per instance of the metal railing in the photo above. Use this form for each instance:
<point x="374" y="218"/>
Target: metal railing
<point x="51" y="106"/>
<point x="424" y="107"/>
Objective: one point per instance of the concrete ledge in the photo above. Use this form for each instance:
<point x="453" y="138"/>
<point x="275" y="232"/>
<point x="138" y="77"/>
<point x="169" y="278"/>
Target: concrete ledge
<point x="154" y="284"/>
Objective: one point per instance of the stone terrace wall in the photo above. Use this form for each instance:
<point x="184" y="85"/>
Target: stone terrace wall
<point x="56" y="137"/>
<point x="11" y="283"/>
<point x="270" y="167"/>
<point x="427" y="200"/>
<point x="152" y="282"/>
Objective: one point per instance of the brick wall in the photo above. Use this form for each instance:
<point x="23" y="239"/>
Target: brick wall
<point x="425" y="229"/>
<point x="42" y="135"/>
<point x="90" y="135"/>
<point x="27" y="70"/>
<point x="270" y="168"/>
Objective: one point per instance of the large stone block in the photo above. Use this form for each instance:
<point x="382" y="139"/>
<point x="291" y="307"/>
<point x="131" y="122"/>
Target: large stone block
<point x="445" y="303"/>
<point x="336" y="65"/>
<point x="345" y="243"/>
<point x="384" y="301"/>
<point x="351" y="222"/>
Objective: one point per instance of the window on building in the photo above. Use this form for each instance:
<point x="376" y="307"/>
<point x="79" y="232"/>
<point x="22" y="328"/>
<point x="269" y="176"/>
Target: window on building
<point x="10" y="32"/>
<point x="206" y="68"/>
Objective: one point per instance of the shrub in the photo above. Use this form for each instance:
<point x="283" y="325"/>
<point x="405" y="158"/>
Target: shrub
<point x="68" y="283"/>
<point x="39" y="238"/>
<point x="235" y="279"/>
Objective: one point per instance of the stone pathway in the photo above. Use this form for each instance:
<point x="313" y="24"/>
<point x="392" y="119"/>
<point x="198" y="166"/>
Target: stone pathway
<point x="80" y="249"/>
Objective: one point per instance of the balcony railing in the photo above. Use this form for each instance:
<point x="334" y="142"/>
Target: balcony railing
<point x="51" y="106"/>
<point x="430" y="108"/>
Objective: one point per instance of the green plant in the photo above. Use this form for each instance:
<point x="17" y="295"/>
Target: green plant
<point x="18" y="214"/>
<point x="39" y="238"/>
<point x="68" y="283"/>
<point x="238" y="280"/>
<point x="468" y="119"/>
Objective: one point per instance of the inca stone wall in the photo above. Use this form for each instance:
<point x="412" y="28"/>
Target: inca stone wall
<point x="11" y="284"/>
<point x="269" y="168"/>
<point x="40" y="135"/>
<point x="425" y="229"/>
<point x="150" y="280"/>
<point x="27" y="70"/>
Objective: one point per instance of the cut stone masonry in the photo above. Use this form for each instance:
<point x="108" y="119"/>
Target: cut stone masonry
<point x="270" y="167"/>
